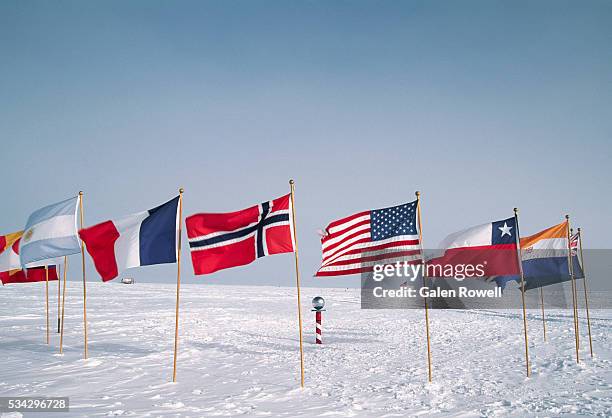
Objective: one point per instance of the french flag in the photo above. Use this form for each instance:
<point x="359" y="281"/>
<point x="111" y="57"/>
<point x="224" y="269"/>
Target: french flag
<point x="141" y="239"/>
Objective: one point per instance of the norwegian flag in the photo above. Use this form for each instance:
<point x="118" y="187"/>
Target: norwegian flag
<point x="223" y="240"/>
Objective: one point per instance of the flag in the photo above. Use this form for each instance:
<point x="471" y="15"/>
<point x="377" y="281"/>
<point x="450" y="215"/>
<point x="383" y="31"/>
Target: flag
<point x="9" y="251"/>
<point x="574" y="241"/>
<point x="31" y="275"/>
<point x="10" y="265"/>
<point x="577" y="264"/>
<point x="492" y="246"/>
<point x="544" y="257"/>
<point x="381" y="236"/>
<point x="223" y="240"/>
<point x="141" y="239"/>
<point x="50" y="232"/>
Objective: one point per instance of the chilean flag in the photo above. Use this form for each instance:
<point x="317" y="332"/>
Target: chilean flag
<point x="492" y="245"/>
<point x="222" y="240"/>
<point x="141" y="239"/>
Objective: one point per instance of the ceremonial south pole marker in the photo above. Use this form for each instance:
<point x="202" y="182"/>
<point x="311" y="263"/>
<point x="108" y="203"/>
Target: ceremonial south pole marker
<point x="318" y="303"/>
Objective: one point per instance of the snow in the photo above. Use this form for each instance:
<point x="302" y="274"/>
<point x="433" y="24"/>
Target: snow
<point x="238" y="355"/>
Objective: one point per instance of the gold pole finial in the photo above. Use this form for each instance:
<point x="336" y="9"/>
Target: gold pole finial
<point x="80" y="193"/>
<point x="181" y="190"/>
<point x="291" y="181"/>
<point x="417" y="194"/>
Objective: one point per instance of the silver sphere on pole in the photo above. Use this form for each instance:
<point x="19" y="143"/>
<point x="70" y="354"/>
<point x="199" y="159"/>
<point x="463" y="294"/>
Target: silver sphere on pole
<point x="318" y="303"/>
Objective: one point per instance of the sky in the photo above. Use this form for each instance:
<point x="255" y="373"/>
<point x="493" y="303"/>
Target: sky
<point x="481" y="105"/>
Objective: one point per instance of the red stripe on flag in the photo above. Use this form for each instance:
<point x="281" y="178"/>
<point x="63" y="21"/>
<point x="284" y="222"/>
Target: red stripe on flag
<point x="327" y="257"/>
<point x="377" y="257"/>
<point x="348" y="237"/>
<point x="348" y="228"/>
<point x="344" y="272"/>
<point x="347" y="219"/>
<point x="403" y="243"/>
<point x="33" y="275"/>
<point x="498" y="260"/>
<point x="100" y="243"/>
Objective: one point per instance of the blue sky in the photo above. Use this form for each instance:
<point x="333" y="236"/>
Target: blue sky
<point x="481" y="105"/>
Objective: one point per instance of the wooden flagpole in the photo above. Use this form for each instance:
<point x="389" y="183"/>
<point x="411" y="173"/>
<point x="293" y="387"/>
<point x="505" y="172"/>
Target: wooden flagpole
<point x="61" y="349"/>
<point x="47" y="297"/>
<point x="575" y="287"/>
<point x="584" y="284"/>
<point x="84" y="281"/>
<point x="424" y="274"/>
<point x="520" y="263"/>
<point x="571" y="273"/>
<point x="59" y="289"/>
<point x="297" y="281"/>
<point x="543" y="317"/>
<point x="178" y="282"/>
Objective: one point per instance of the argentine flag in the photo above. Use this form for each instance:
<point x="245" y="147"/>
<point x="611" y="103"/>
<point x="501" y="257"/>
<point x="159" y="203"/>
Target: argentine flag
<point x="50" y="232"/>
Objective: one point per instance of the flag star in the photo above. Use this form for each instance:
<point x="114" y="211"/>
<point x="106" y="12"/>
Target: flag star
<point x="505" y="230"/>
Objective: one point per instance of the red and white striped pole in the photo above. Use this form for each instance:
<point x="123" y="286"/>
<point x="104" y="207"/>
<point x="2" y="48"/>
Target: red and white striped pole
<point x="318" y="318"/>
<point x="318" y="303"/>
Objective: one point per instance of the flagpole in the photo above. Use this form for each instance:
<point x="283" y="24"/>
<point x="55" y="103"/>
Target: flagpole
<point x="297" y="281"/>
<point x="574" y="285"/>
<point x="47" y="297"/>
<point x="61" y="350"/>
<point x="586" y="299"/>
<point x="520" y="263"/>
<point x="84" y="281"/>
<point x="59" y="289"/>
<point x="178" y="283"/>
<point x="543" y="317"/>
<point x="424" y="275"/>
<point x="571" y="272"/>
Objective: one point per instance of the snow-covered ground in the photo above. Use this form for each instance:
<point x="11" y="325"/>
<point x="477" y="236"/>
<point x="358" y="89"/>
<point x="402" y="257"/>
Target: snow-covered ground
<point x="238" y="355"/>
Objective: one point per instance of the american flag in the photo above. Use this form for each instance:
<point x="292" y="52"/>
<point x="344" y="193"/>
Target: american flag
<point x="382" y="236"/>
